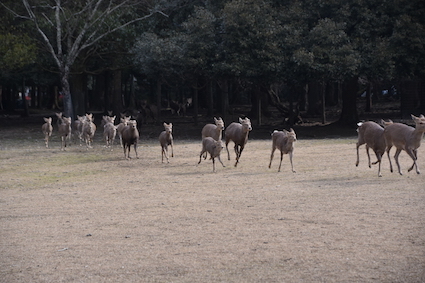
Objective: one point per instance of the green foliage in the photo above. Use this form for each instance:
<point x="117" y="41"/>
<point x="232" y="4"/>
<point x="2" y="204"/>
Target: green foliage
<point x="249" y="40"/>
<point x="16" y="52"/>
<point x="255" y="40"/>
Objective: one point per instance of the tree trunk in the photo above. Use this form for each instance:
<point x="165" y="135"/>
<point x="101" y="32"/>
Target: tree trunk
<point x="66" y="93"/>
<point x="323" y="95"/>
<point x="78" y="94"/>
<point x="349" y="114"/>
<point x="195" y="103"/>
<point x="158" y="97"/>
<point x="210" y="99"/>
<point x="117" y="105"/>
<point x="314" y="97"/>
<point x="368" y="107"/>
<point x="25" y="101"/>
<point x="410" y="100"/>
<point x="132" y="96"/>
<point x="224" y="86"/>
<point x="100" y="93"/>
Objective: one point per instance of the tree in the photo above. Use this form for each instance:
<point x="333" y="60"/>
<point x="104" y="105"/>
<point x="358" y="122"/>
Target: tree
<point x="70" y="27"/>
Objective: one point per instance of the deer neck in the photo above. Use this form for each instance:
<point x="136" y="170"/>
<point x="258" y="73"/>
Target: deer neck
<point x="416" y="137"/>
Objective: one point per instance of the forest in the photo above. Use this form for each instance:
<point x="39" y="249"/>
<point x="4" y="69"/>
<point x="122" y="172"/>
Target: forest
<point x="139" y="55"/>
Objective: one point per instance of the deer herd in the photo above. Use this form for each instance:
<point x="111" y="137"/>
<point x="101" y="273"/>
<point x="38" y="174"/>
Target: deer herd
<point x="379" y="137"/>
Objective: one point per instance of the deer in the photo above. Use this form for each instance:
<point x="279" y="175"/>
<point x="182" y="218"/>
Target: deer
<point x="372" y="134"/>
<point x="130" y="136"/>
<point x="214" y="131"/>
<point x="406" y="138"/>
<point x="64" y="128"/>
<point x="238" y="133"/>
<point x="165" y="140"/>
<point x="88" y="130"/>
<point x="284" y="141"/>
<point x="213" y="147"/>
<point x="47" y="129"/>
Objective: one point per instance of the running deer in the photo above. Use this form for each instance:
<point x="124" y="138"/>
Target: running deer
<point x="214" y="131"/>
<point x="238" y="133"/>
<point x="130" y="136"/>
<point x="284" y="141"/>
<point x="89" y="129"/>
<point x="64" y="129"/>
<point x="371" y="134"/>
<point x="47" y="129"/>
<point x="213" y="147"/>
<point x="406" y="138"/>
<point x="166" y="139"/>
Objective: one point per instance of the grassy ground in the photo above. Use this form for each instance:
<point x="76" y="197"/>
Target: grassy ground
<point x="92" y="216"/>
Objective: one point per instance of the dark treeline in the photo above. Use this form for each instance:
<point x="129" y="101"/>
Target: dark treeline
<point x="297" y="56"/>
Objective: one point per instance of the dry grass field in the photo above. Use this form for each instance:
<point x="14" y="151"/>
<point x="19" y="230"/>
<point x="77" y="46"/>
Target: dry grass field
<point x="91" y="216"/>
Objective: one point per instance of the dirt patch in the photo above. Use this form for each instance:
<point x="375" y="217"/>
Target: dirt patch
<point x="92" y="216"/>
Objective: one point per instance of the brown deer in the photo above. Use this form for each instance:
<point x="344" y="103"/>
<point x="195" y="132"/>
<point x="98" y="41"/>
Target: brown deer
<point x="371" y="134"/>
<point x="284" y="141"/>
<point x="165" y="140"/>
<point x="406" y="138"/>
<point x="238" y="133"/>
<point x="47" y="129"/>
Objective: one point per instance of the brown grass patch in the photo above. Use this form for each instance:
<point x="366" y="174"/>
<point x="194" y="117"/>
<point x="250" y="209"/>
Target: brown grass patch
<point x="92" y="216"/>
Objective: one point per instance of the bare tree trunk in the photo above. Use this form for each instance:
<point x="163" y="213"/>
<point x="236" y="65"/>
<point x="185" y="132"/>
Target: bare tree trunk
<point x="210" y="100"/>
<point x="78" y="94"/>
<point x="158" y="97"/>
<point x="410" y="100"/>
<point x="132" y="96"/>
<point x="195" y="103"/>
<point x="25" y="101"/>
<point x="224" y="86"/>
<point x="349" y="114"/>
<point x="323" y="94"/>
<point x="66" y="92"/>
<point x="117" y="105"/>
<point x="368" y="106"/>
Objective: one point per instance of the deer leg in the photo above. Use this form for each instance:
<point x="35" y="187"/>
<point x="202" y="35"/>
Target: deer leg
<point x="389" y="158"/>
<point x="357" y="148"/>
<point x="227" y="149"/>
<point x="413" y="155"/>
<point x="165" y="153"/>
<point x="200" y="156"/>
<point x="219" y="159"/>
<point x="368" y="156"/>
<point x="213" y="164"/>
<point x="379" y="157"/>
<point x="125" y="152"/>
<point x="379" y="169"/>
<point x="271" y="157"/>
<point x="135" y="150"/>
<point x="290" y="158"/>
<point x="238" y="154"/>
<point x="397" y="153"/>
<point x="280" y="164"/>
